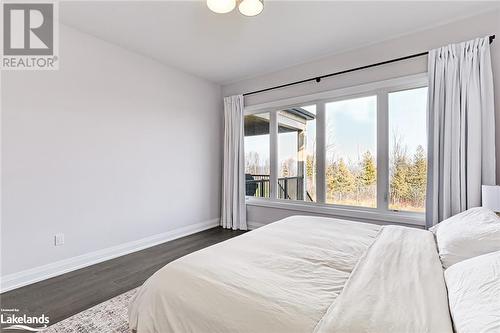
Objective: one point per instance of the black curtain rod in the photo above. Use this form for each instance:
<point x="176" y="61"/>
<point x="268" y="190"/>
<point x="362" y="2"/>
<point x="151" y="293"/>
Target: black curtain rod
<point x="319" y="78"/>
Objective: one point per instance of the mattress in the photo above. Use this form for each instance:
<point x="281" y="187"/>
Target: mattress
<point x="301" y="274"/>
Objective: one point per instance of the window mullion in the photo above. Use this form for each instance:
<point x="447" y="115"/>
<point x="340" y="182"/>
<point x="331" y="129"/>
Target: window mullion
<point x="320" y="152"/>
<point x="382" y="151"/>
<point x="273" y="156"/>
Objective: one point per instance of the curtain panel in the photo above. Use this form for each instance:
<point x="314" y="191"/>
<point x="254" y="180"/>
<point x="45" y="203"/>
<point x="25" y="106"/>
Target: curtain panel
<point x="461" y="128"/>
<point x="233" y="214"/>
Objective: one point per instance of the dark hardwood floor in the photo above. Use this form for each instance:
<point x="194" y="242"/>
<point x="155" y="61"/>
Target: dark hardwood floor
<point x="65" y="295"/>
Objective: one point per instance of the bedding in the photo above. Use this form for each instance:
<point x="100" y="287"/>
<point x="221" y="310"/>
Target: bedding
<point x="474" y="294"/>
<point x="301" y="274"/>
<point x="397" y="286"/>
<point x="471" y="233"/>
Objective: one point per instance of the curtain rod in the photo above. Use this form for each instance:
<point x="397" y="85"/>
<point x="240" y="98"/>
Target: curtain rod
<point x="319" y="78"/>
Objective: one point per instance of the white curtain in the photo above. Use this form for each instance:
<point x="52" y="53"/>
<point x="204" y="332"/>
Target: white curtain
<point x="461" y="128"/>
<point x="233" y="215"/>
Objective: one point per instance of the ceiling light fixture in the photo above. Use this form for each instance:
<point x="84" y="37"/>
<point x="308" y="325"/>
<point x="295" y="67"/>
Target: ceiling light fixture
<point x="221" y="6"/>
<point x="246" y="7"/>
<point x="251" y="7"/>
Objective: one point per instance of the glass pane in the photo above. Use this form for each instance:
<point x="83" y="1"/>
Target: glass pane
<point x="257" y="154"/>
<point x="351" y="152"/>
<point x="297" y="153"/>
<point x="407" y="150"/>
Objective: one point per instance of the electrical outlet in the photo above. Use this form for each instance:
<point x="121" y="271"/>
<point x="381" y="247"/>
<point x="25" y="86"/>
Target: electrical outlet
<point x="59" y="239"/>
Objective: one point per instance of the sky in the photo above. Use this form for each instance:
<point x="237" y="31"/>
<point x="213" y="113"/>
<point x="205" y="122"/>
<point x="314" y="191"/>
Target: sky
<point x="351" y="127"/>
<point x="407" y="116"/>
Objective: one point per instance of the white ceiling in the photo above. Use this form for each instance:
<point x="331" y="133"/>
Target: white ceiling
<point x="228" y="47"/>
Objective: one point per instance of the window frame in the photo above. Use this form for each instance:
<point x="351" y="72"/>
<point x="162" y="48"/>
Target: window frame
<point x="381" y="90"/>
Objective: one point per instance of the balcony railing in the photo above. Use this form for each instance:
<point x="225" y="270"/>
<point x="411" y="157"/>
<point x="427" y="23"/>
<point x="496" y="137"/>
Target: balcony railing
<point x="257" y="185"/>
<point x="291" y="188"/>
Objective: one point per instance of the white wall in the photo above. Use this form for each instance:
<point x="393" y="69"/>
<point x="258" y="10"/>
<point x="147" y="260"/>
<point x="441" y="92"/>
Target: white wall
<point x="111" y="148"/>
<point x="481" y="25"/>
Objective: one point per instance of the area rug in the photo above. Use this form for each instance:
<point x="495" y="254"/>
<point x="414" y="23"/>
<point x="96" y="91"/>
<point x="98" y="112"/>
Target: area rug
<point x="108" y="317"/>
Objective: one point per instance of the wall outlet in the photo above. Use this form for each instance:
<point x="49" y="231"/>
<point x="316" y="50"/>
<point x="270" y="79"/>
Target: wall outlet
<point x="59" y="239"/>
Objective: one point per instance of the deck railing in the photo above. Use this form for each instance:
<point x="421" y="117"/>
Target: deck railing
<point x="291" y="188"/>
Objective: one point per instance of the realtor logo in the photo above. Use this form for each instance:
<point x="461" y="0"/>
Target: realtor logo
<point x="29" y="36"/>
<point x="12" y="319"/>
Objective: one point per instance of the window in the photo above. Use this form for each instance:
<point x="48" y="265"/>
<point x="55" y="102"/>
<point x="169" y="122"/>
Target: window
<point x="361" y="148"/>
<point x="257" y="169"/>
<point x="351" y="152"/>
<point x="296" y="153"/>
<point x="407" y="149"/>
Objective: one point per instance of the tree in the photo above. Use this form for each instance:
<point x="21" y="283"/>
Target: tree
<point x="398" y="171"/>
<point x="345" y="180"/>
<point x="285" y="171"/>
<point x="330" y="174"/>
<point x="399" y="182"/>
<point x="310" y="175"/>
<point x="369" y="171"/>
<point x="417" y="177"/>
<point x="310" y="166"/>
<point x="252" y="163"/>
<point x="340" y="179"/>
<point x="267" y="167"/>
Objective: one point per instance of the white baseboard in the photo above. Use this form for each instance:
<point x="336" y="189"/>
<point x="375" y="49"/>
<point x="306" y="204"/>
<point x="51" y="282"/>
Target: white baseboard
<point x="32" y="275"/>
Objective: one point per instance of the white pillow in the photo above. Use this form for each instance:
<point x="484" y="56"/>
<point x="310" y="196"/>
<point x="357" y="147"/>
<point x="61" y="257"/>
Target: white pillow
<point x="468" y="234"/>
<point x="474" y="294"/>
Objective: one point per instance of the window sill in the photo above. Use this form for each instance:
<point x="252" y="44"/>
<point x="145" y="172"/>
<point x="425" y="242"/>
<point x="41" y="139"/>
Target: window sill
<point x="407" y="218"/>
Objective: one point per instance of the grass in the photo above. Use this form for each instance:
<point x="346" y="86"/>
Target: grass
<point x="372" y="203"/>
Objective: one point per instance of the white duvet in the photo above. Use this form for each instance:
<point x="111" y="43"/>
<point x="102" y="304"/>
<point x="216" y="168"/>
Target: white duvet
<point x="474" y="294"/>
<point x="301" y="274"/>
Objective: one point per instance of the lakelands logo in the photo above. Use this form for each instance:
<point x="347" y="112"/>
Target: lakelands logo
<point x="30" y="38"/>
<point x="10" y="319"/>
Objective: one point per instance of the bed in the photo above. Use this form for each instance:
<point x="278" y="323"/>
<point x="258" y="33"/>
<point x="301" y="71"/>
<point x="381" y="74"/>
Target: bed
<point x="301" y="274"/>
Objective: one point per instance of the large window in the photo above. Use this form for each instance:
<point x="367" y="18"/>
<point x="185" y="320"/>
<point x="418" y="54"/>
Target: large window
<point x="257" y="161"/>
<point x="297" y="154"/>
<point x="351" y="152"/>
<point x="407" y="149"/>
<point x="361" y="148"/>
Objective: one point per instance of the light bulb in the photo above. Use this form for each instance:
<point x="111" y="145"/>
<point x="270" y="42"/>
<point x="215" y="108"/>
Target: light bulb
<point x="221" y="6"/>
<point x="251" y="7"/>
